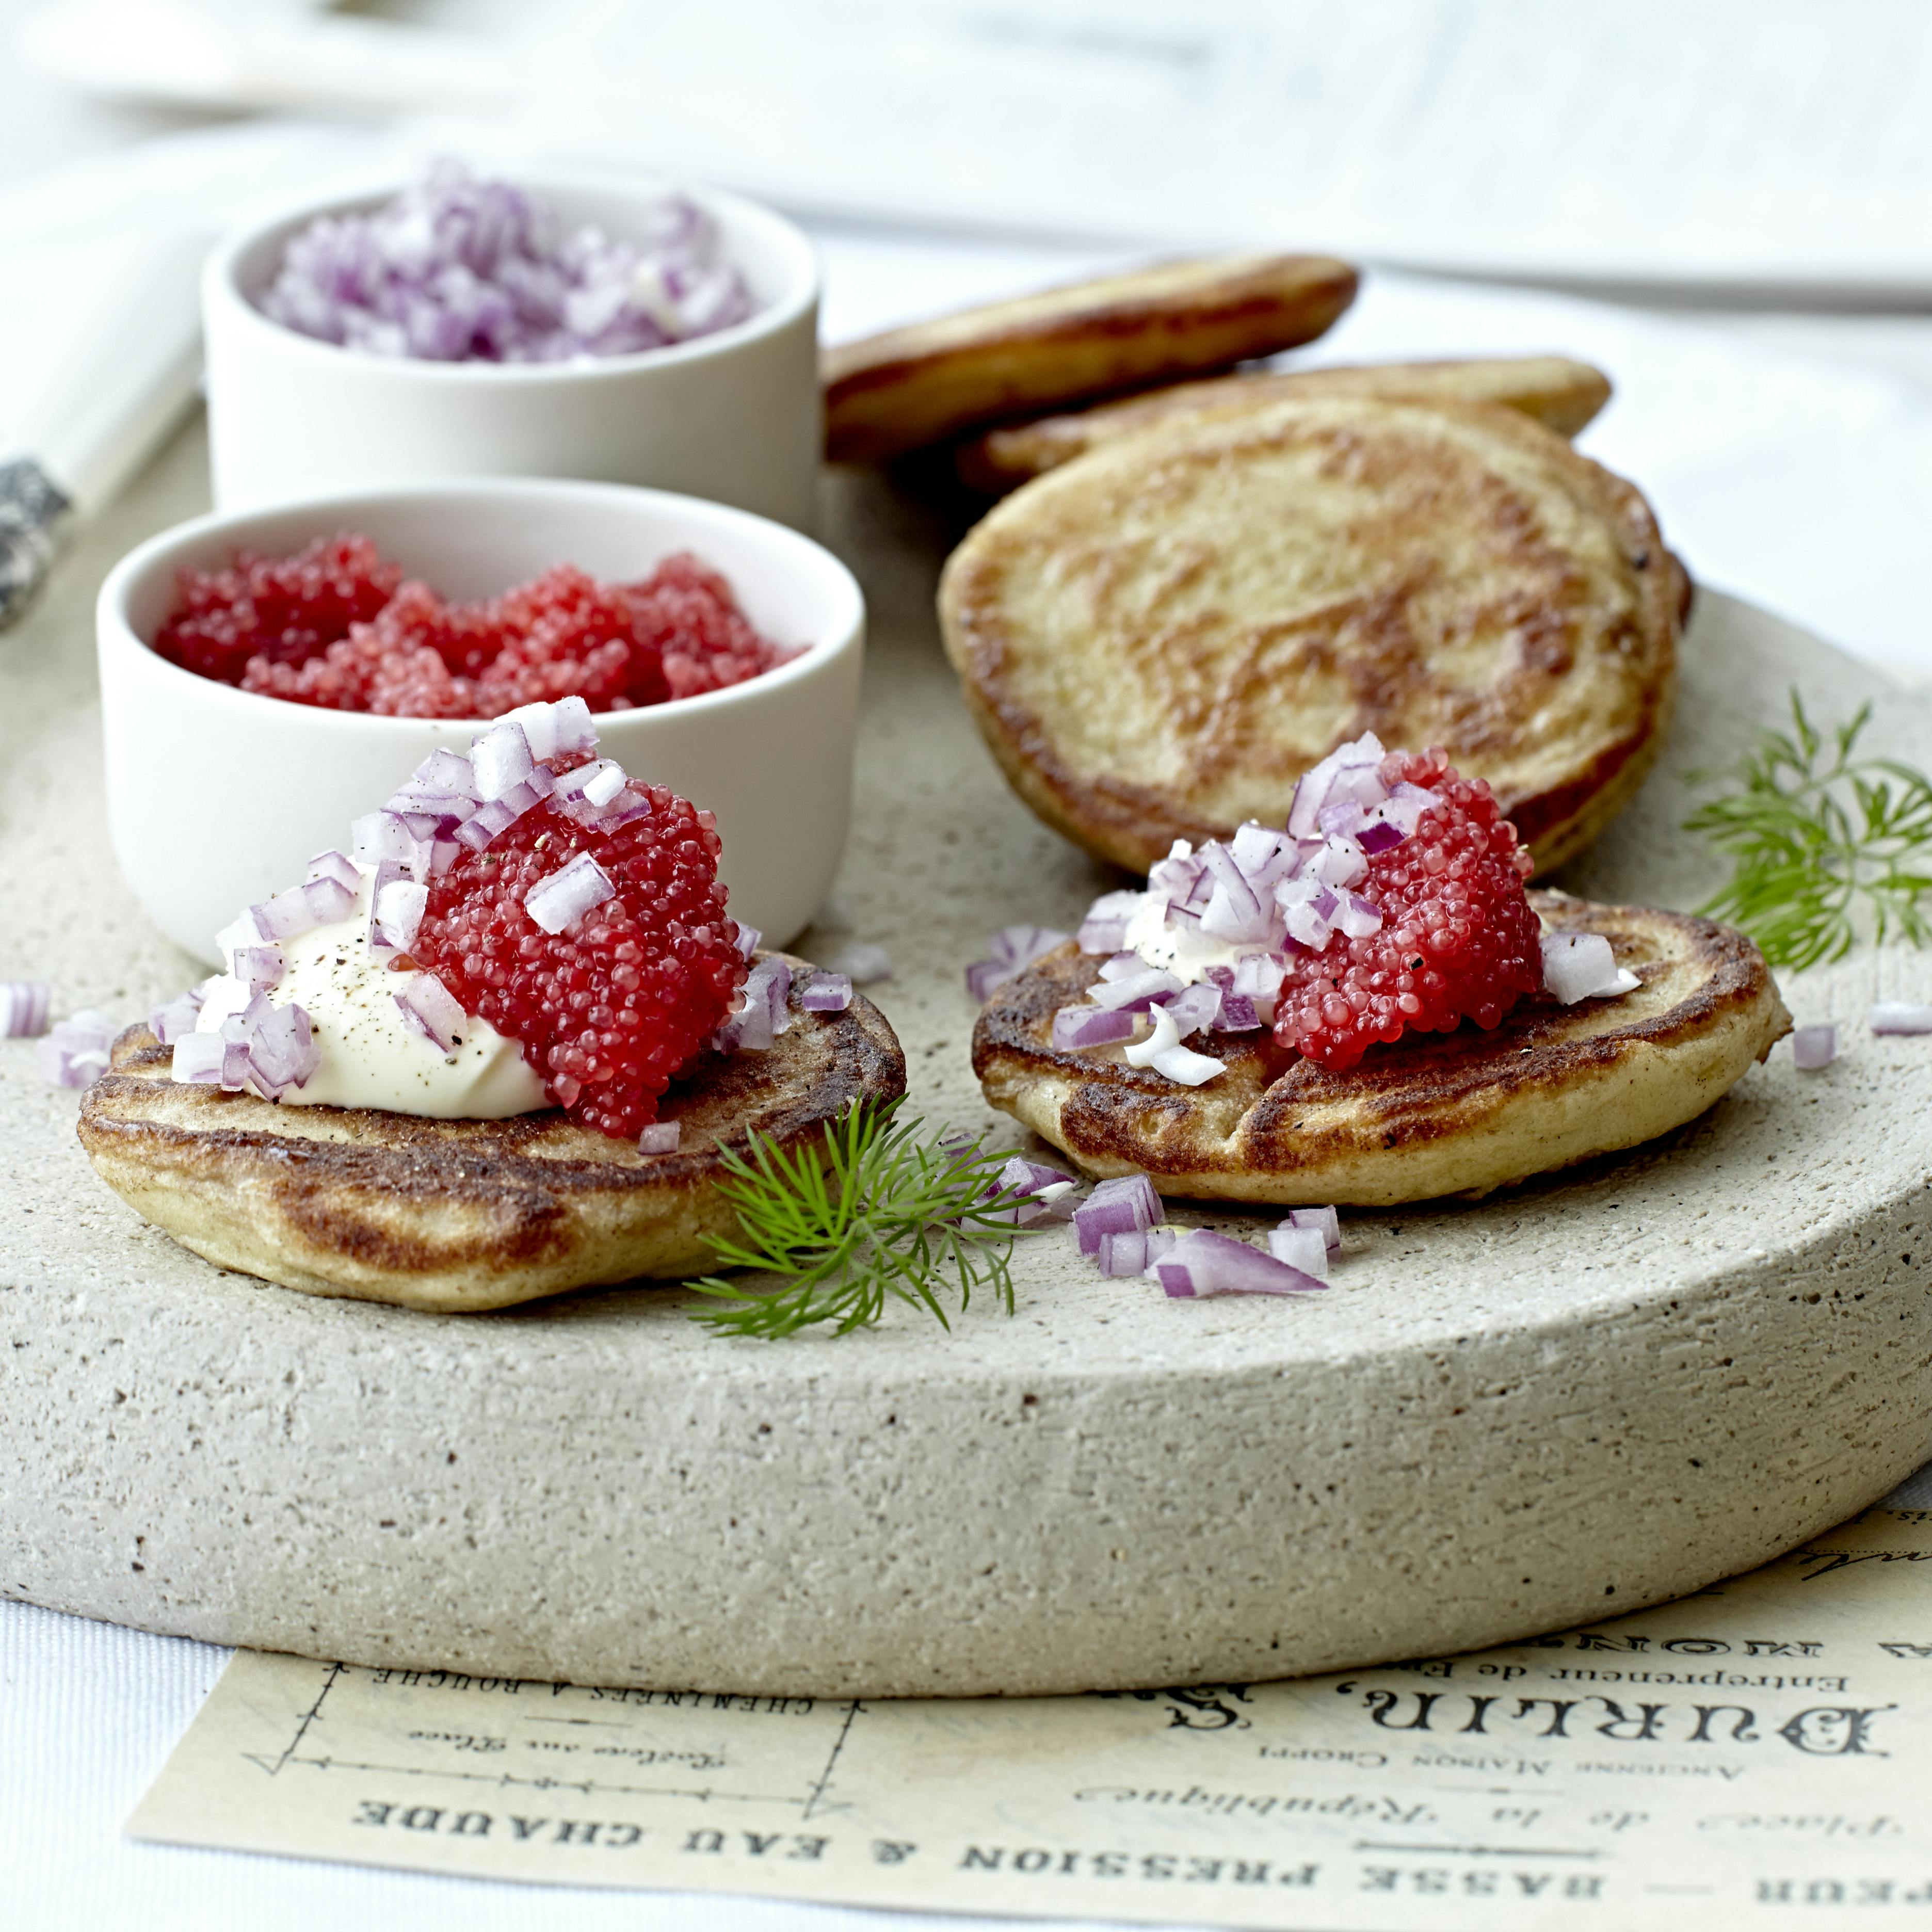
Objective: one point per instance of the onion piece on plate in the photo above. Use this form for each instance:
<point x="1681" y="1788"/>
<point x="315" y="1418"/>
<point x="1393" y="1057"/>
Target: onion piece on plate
<point x="23" y="1008"/>
<point x="1812" y="1047"/>
<point x="1901" y="1016"/>
<point x="1203" y="1263"/>
<point x="1010" y="951"/>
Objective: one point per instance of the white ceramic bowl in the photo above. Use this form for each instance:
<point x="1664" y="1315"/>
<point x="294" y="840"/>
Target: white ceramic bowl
<point x="216" y="796"/>
<point x="734" y="416"/>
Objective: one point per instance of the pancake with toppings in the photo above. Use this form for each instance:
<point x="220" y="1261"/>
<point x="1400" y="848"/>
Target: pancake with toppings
<point x="909" y="387"/>
<point x="1561" y="395"/>
<point x="1159" y="638"/>
<point x="464" y="1215"/>
<point x="1459" y="1113"/>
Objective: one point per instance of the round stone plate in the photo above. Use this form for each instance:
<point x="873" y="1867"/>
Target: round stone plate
<point x="1601" y="1390"/>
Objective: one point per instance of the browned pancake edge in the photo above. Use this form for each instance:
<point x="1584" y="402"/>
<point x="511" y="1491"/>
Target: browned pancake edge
<point x="1133" y="821"/>
<point x="464" y="1215"/>
<point x="1563" y="394"/>
<point x="1440" y="1114"/>
<point x="910" y="387"/>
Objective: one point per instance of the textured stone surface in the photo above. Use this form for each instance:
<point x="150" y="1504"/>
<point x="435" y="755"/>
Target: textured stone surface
<point x="1583" y="1396"/>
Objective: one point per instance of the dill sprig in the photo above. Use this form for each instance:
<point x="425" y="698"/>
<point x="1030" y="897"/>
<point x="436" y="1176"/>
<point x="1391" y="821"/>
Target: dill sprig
<point x="884" y="1213"/>
<point x="1824" y="843"/>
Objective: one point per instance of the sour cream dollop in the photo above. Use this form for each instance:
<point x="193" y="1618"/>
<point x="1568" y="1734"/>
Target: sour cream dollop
<point x="371" y="1055"/>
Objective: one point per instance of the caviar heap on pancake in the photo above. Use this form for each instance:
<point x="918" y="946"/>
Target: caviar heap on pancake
<point x="337" y="625"/>
<point x="612" y="1006"/>
<point x="1457" y="939"/>
<point x="524" y="927"/>
<point x="1390" y="902"/>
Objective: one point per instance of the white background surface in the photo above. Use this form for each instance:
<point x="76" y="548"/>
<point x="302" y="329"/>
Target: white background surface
<point x="1789" y="457"/>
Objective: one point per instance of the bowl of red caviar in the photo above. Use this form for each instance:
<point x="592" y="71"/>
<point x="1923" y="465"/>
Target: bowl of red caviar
<point x="264" y="673"/>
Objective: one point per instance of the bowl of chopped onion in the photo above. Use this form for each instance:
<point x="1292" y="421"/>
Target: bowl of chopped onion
<point x="611" y="328"/>
<point x="265" y="674"/>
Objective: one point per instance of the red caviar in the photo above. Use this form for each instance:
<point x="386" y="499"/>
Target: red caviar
<point x="335" y="625"/>
<point x="1458" y="939"/>
<point x="612" y="1009"/>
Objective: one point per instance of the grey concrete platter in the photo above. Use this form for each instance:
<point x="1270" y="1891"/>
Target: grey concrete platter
<point x="1576" y="1399"/>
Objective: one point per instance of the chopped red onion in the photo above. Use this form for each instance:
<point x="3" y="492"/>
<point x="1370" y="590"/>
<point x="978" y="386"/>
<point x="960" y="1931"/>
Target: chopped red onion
<point x="1186" y="1068"/>
<point x="1124" y="965"/>
<point x="433" y="1010"/>
<point x="1324" y="1219"/>
<point x="1297" y="898"/>
<point x="397" y="909"/>
<point x="1303" y="1248"/>
<point x="1194" y="1008"/>
<point x="1259" y="976"/>
<point x="1162" y="1050"/>
<point x="1127" y="1202"/>
<point x="1203" y="1263"/>
<point x="861" y="963"/>
<point x="1105" y="927"/>
<point x="605" y="780"/>
<point x="336" y="865"/>
<point x="1165" y="1035"/>
<point x="661" y="1137"/>
<point x="1233" y="910"/>
<point x="377" y="835"/>
<point x="565" y="896"/>
<point x="388" y="872"/>
<point x="1332" y="778"/>
<point x="827" y="993"/>
<point x="23" y="1008"/>
<point x="1135" y="1251"/>
<point x="1263" y="854"/>
<point x="1339" y="863"/>
<point x="1357" y="918"/>
<point x="1237" y="1014"/>
<point x="1812" y="1047"/>
<point x="1029" y="1177"/>
<point x="1378" y="837"/>
<point x="458" y="269"/>
<point x="1041" y="1191"/>
<point x="1137" y="991"/>
<point x="763" y="1012"/>
<point x="552" y="728"/>
<point x="200" y="1058"/>
<point x="1403" y="809"/>
<point x="1124" y="1253"/>
<point x="1581" y="966"/>
<point x="238" y="1029"/>
<point x="176" y="1019"/>
<point x="1075" y="1027"/>
<point x="501" y="759"/>
<point x="282" y="1052"/>
<point x="258" y="967"/>
<point x="74" y="1052"/>
<point x="748" y="936"/>
<point x="1009" y="952"/>
<point x="1899" y="1016"/>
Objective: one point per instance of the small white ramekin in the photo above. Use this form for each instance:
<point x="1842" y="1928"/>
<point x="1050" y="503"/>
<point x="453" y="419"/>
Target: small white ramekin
<point x="217" y="797"/>
<point x="734" y="416"/>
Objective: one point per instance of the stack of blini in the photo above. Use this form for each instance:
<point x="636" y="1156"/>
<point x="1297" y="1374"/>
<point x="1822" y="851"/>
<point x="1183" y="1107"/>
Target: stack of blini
<point x="1197" y="590"/>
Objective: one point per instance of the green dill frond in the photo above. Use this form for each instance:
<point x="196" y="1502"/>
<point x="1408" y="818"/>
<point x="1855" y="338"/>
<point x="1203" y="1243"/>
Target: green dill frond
<point x="884" y="1213"/>
<point x="1826" y="847"/>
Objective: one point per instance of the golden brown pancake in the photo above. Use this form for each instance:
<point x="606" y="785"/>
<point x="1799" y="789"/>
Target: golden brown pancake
<point x="464" y="1215"/>
<point x="909" y="387"/>
<point x="1435" y="1113"/>
<point x="1561" y="395"/>
<point x="1159" y="638"/>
